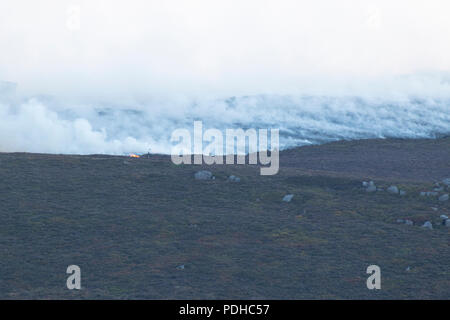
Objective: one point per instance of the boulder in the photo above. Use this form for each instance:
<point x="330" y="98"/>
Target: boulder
<point x="427" y="225"/>
<point x="234" y="179"/>
<point x="446" y="182"/>
<point x="288" y="197"/>
<point x="393" y="190"/>
<point x="371" y="187"/>
<point x="444" y="197"/>
<point x="203" y="175"/>
<point x="428" y="194"/>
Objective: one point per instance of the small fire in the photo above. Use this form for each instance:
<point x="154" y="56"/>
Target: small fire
<point x="134" y="156"/>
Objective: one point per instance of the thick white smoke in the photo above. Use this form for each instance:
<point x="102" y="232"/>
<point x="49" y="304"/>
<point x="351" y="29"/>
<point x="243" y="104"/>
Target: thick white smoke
<point x="97" y="76"/>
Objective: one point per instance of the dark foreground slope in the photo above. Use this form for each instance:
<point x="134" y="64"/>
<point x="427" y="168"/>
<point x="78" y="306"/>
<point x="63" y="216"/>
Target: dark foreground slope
<point x="129" y="223"/>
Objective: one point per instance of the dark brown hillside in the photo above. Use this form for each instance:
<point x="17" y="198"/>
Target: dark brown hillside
<point x="129" y="223"/>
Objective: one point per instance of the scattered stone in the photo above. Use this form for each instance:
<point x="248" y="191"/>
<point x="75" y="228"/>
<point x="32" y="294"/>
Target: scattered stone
<point x="434" y="208"/>
<point x="393" y="190"/>
<point x="288" y="197"/>
<point x="440" y="189"/>
<point x="203" y="175"/>
<point x="181" y="267"/>
<point x="380" y="189"/>
<point x="234" y="179"/>
<point x="408" y="268"/>
<point x="371" y="187"/>
<point x="400" y="221"/>
<point x="427" y="225"/>
<point x="409" y="222"/>
<point x="428" y="194"/>
<point x="444" y="197"/>
<point x="446" y="182"/>
<point x="402" y="192"/>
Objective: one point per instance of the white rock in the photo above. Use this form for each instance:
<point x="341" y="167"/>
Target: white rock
<point x="427" y="225"/>
<point x="443" y="217"/>
<point x="444" y="197"/>
<point x="365" y="184"/>
<point x="393" y="190"/>
<point x="288" y="197"/>
<point x="203" y="175"/>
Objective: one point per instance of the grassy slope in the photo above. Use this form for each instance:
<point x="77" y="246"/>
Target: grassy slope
<point x="129" y="225"/>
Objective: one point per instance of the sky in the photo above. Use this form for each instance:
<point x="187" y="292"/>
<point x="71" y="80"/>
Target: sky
<point x="148" y="48"/>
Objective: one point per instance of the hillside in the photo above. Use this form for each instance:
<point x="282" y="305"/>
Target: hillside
<point x="146" y="229"/>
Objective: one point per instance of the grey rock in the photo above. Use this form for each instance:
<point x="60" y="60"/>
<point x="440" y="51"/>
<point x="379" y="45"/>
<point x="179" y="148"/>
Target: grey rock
<point x="446" y="182"/>
<point x="371" y="188"/>
<point x="409" y="222"/>
<point x="393" y="190"/>
<point x="288" y="197"/>
<point x="365" y="184"/>
<point x="427" y="225"/>
<point x="400" y="221"/>
<point x="447" y="223"/>
<point x="180" y="267"/>
<point x="234" y="179"/>
<point x="402" y="192"/>
<point x="428" y="194"/>
<point x="203" y="175"/>
<point x="444" y="197"/>
<point x="443" y="217"/>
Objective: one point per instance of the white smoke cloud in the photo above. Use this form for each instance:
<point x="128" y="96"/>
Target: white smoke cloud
<point x="163" y="57"/>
